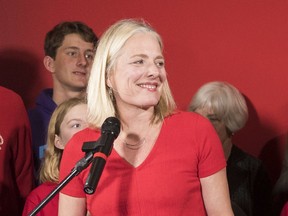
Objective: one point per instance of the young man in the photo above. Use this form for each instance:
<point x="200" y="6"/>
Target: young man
<point x="16" y="163"/>
<point x="69" y="52"/>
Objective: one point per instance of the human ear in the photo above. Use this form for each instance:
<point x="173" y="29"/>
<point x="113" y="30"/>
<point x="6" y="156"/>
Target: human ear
<point x="57" y="142"/>
<point x="49" y="63"/>
<point x="108" y="81"/>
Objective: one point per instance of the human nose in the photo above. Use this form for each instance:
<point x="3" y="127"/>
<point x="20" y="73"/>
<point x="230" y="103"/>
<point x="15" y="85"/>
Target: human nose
<point x="153" y="71"/>
<point x="82" y="60"/>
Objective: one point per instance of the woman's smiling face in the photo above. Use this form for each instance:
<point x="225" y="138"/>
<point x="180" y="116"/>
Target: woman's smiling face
<point x="138" y="76"/>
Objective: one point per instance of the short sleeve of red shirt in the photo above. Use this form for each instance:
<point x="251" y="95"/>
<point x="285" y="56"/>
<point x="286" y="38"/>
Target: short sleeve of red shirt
<point x="191" y="133"/>
<point x="210" y="152"/>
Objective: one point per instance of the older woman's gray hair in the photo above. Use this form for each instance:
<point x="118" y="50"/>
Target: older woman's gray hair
<point x="225" y="101"/>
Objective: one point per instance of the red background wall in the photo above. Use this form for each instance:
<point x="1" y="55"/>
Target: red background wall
<point x="243" y="42"/>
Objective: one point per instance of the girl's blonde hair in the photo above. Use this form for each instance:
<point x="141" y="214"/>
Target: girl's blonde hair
<point x="49" y="171"/>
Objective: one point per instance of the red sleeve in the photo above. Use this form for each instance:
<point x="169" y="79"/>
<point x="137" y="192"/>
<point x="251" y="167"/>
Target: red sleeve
<point x="23" y="153"/>
<point x="23" y="149"/>
<point x="197" y="135"/>
<point x="210" y="152"/>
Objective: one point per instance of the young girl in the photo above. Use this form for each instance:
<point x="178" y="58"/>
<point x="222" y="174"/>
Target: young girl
<point x="68" y="118"/>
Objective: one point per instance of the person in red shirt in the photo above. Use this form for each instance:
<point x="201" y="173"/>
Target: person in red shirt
<point x="68" y="118"/>
<point x="284" y="211"/>
<point x="16" y="162"/>
<point x="164" y="161"/>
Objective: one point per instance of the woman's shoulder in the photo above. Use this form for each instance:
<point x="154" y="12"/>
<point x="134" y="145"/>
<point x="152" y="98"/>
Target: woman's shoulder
<point x="41" y="191"/>
<point x="186" y="117"/>
<point x="178" y="114"/>
<point x="11" y="101"/>
<point x="8" y="93"/>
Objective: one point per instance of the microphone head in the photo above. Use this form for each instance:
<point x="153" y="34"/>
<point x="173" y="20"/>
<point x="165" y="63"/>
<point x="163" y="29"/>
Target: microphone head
<point x="111" y="125"/>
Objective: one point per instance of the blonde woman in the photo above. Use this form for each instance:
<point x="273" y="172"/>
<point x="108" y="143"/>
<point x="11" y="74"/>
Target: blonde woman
<point x="164" y="162"/>
<point x="68" y="118"/>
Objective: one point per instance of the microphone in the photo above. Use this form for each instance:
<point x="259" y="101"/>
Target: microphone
<point x="110" y="130"/>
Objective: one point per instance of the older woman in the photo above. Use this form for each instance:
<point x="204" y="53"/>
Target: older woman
<point x="225" y="107"/>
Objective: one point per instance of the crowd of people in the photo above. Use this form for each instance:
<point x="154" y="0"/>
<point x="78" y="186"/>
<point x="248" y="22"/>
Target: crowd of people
<point x="123" y="75"/>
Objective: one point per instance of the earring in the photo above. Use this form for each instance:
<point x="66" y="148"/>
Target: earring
<point x="110" y="92"/>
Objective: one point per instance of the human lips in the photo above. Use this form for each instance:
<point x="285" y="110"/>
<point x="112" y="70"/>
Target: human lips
<point x="149" y="86"/>
<point x="81" y="73"/>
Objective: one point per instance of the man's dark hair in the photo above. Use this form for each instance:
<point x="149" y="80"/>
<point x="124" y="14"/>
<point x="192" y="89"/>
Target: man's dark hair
<point x="55" y="37"/>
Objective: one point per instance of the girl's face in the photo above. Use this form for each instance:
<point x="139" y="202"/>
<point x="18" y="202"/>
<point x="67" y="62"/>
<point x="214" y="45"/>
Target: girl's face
<point x="74" y="121"/>
<point x="139" y="73"/>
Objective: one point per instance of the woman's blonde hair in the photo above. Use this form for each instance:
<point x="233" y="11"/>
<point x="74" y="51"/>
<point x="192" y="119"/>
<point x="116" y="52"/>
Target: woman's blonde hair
<point x="226" y="102"/>
<point x="100" y="103"/>
<point x="49" y="171"/>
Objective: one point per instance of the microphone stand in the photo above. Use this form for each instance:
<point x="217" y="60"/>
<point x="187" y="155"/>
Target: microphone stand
<point x="90" y="149"/>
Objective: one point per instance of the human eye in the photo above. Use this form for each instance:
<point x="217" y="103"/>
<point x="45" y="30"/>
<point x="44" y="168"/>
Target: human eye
<point x="76" y="125"/>
<point x="140" y="61"/>
<point x="89" y="56"/>
<point x="72" y="53"/>
<point x="213" y="119"/>
<point x="160" y="63"/>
